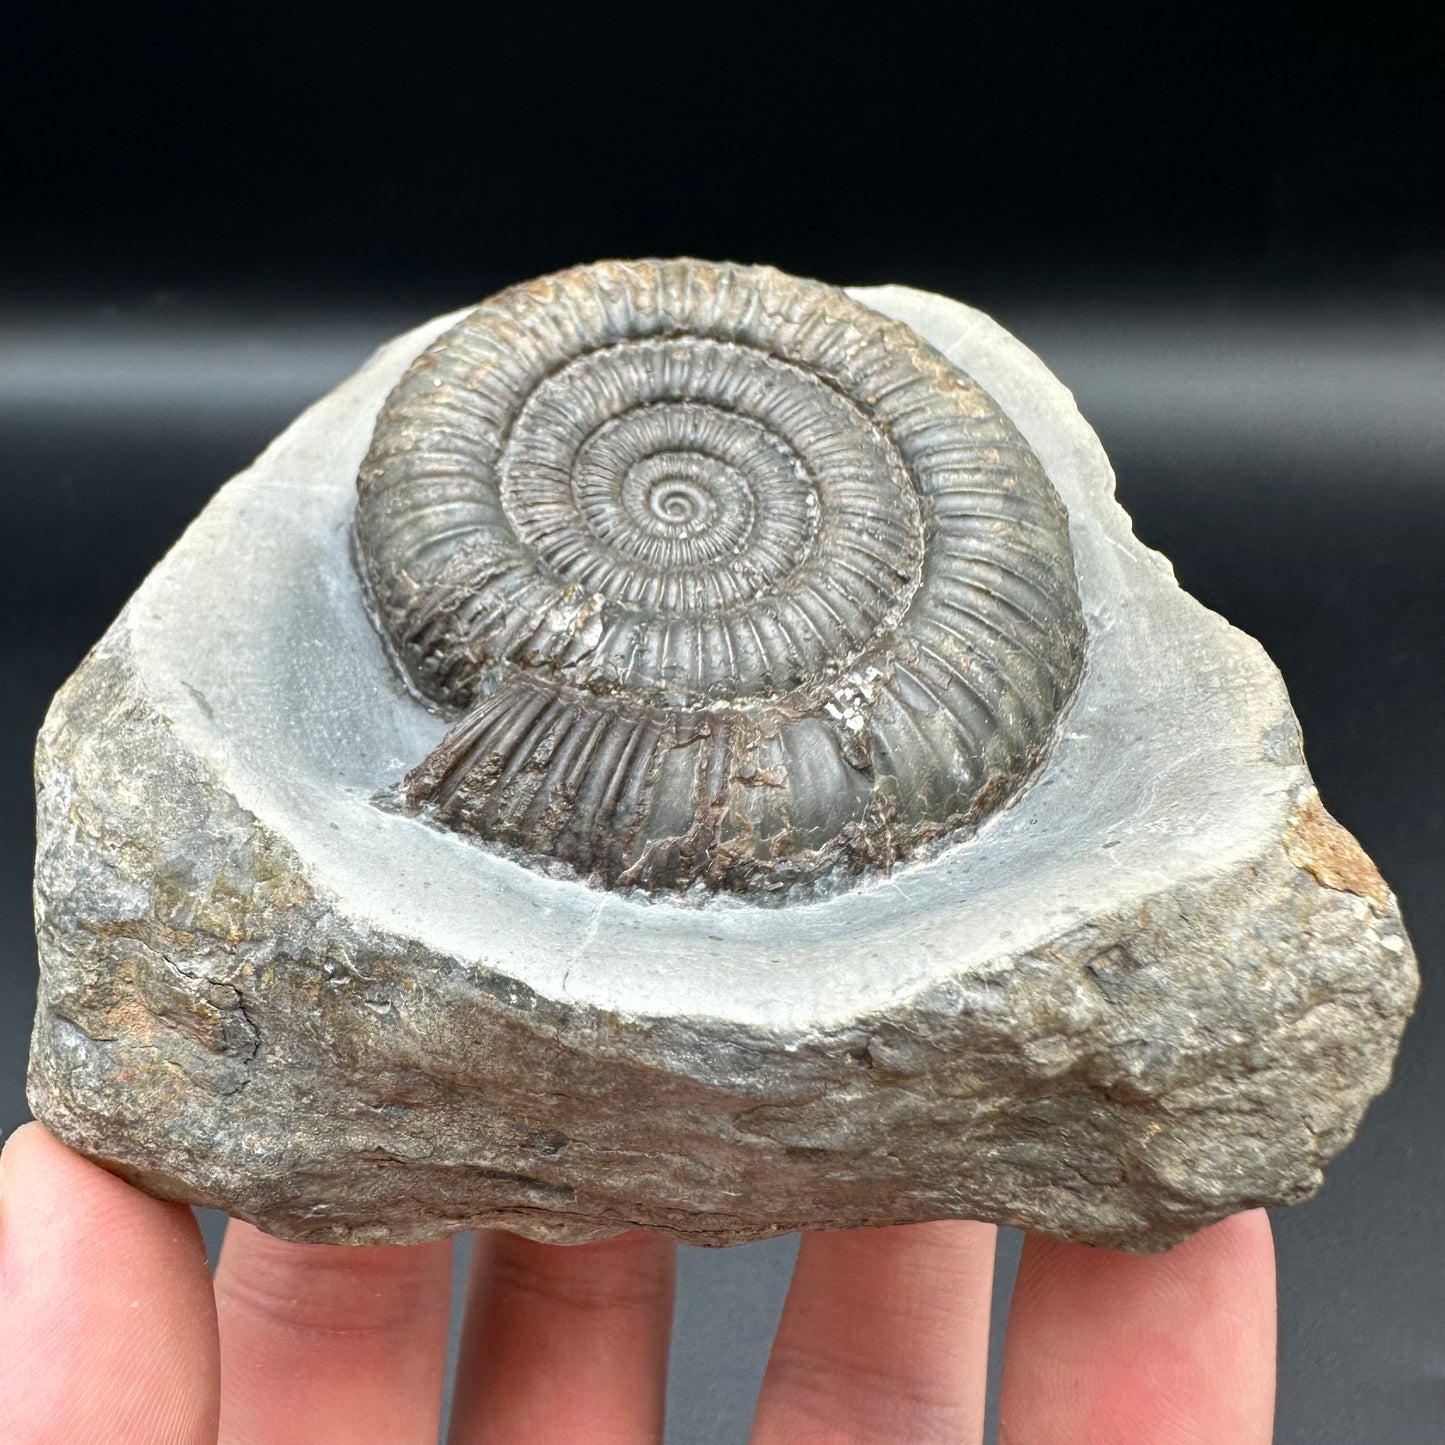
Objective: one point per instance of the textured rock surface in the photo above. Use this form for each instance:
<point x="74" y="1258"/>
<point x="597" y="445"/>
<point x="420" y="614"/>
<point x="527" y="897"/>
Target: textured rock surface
<point x="1161" y="986"/>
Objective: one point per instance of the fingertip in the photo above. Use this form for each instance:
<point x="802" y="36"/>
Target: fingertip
<point x="1169" y="1347"/>
<point x="68" y="1206"/>
<point x="24" y="1149"/>
<point x="565" y="1342"/>
<point x="104" y="1297"/>
<point x="330" y="1341"/>
<point x="884" y="1336"/>
<point x="1233" y="1255"/>
<point x="34" y="1159"/>
<point x="1248" y="1236"/>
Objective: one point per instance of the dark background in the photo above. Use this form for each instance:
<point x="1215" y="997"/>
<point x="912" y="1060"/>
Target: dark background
<point x="1225" y="232"/>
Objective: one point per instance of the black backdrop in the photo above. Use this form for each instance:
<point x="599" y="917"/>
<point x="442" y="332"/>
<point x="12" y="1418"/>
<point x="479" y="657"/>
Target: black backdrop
<point x="437" y="151"/>
<point x="1225" y="232"/>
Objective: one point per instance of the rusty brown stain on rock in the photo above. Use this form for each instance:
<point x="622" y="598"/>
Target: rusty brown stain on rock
<point x="1329" y="852"/>
<point x="130" y="1019"/>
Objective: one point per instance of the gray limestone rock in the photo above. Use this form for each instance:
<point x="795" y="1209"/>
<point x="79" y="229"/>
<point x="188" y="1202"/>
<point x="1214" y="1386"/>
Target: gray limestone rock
<point x="1159" y="985"/>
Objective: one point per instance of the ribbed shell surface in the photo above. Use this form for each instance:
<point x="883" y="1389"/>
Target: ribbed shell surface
<point x="726" y="579"/>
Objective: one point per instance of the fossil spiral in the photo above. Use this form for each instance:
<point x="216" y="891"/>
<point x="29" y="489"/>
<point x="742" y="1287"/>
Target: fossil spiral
<point x="724" y="577"/>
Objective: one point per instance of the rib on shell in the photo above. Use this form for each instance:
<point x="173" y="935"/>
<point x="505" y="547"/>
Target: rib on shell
<point x="723" y="576"/>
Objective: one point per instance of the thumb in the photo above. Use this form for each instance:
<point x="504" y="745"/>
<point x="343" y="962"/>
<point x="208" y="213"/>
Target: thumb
<point x="107" y="1319"/>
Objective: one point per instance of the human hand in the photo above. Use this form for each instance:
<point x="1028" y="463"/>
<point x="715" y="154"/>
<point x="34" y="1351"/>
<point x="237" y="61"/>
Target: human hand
<point x="112" y="1332"/>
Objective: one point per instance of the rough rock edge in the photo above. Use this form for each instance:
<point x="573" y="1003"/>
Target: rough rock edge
<point x="1240" y="1025"/>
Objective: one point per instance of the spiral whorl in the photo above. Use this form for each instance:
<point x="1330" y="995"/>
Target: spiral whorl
<point x="727" y="577"/>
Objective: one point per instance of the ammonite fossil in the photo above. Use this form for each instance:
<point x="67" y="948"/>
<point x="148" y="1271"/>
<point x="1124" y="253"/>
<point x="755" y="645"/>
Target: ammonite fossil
<point x="725" y="577"/>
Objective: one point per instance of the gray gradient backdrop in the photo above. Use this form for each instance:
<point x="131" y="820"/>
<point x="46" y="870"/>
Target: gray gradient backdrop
<point x="1289" y="459"/>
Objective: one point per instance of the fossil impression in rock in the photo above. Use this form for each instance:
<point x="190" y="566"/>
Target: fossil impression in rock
<point x="730" y="578"/>
<point x="684" y="746"/>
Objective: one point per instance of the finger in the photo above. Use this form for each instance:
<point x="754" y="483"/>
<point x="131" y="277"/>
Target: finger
<point x="565" y="1342"/>
<point x="884" y="1338"/>
<point x="324" y="1343"/>
<point x="1175" y="1349"/>
<point x="107" y="1326"/>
